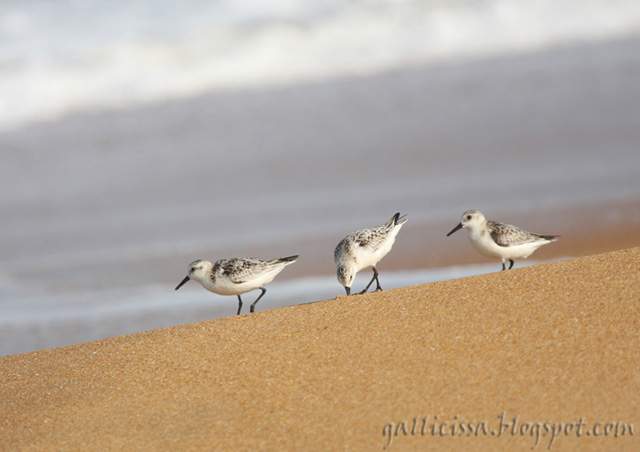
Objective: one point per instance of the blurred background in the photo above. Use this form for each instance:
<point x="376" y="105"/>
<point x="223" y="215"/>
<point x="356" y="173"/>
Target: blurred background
<point x="136" y="137"/>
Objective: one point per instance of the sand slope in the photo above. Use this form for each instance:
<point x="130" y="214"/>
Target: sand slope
<point x="552" y="343"/>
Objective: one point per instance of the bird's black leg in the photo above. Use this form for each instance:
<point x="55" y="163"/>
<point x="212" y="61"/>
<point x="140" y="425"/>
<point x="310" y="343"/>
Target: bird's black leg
<point x="511" y="266"/>
<point x="375" y="274"/>
<point x="503" y="266"/>
<point x="369" y="285"/>
<point x="253" y="305"/>
<point x="239" y="304"/>
<point x="375" y="278"/>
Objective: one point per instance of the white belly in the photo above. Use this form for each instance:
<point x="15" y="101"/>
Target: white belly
<point x="485" y="245"/>
<point x="224" y="286"/>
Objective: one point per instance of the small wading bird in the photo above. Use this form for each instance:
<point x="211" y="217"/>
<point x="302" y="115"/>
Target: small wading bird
<point x="500" y="240"/>
<point x="365" y="248"/>
<point x="236" y="276"/>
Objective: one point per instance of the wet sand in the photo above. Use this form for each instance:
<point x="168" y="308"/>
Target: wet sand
<point x="583" y="231"/>
<point x="548" y="344"/>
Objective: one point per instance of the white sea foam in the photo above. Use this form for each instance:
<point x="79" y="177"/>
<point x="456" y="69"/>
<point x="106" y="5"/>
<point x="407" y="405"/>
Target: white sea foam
<point x="62" y="57"/>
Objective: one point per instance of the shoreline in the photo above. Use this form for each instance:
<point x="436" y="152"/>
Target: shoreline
<point x="336" y="374"/>
<point x="126" y="310"/>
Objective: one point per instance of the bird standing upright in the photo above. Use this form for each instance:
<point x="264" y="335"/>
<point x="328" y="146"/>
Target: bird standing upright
<point x="504" y="241"/>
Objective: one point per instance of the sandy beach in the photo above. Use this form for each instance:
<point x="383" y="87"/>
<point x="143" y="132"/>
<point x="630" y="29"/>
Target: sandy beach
<point x="537" y="358"/>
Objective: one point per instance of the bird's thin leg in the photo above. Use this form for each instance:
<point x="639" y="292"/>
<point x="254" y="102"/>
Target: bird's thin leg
<point x="253" y="305"/>
<point x="375" y="278"/>
<point x="511" y="266"/>
<point x="239" y="304"/>
<point x="378" y="286"/>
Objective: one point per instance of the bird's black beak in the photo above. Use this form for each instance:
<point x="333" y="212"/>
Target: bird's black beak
<point x="455" y="229"/>
<point x="182" y="282"/>
<point x="348" y="289"/>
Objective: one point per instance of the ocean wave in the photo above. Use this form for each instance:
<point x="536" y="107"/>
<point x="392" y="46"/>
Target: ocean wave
<point x="73" y="57"/>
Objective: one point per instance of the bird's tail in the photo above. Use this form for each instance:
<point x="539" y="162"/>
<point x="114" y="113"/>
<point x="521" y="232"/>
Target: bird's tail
<point x="397" y="219"/>
<point x="287" y="260"/>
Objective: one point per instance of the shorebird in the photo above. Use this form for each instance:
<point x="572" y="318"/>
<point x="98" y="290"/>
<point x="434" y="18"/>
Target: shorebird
<point x="236" y="276"/>
<point x="500" y="240"/>
<point x="365" y="248"/>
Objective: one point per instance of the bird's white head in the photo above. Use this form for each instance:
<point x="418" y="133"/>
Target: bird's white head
<point x="346" y="275"/>
<point x="471" y="219"/>
<point x="198" y="270"/>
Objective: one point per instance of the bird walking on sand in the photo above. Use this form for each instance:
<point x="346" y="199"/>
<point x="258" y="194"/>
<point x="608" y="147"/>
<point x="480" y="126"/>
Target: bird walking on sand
<point x="365" y="248"/>
<point x="236" y="276"/>
<point x="504" y="241"/>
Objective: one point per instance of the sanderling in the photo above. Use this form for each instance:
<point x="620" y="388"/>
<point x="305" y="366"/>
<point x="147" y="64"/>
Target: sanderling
<point x="237" y="275"/>
<point x="500" y="240"/>
<point x="365" y="248"/>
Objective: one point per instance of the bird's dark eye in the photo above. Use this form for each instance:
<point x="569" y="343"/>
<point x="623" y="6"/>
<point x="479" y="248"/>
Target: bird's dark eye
<point x="193" y="269"/>
<point x="468" y="217"/>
